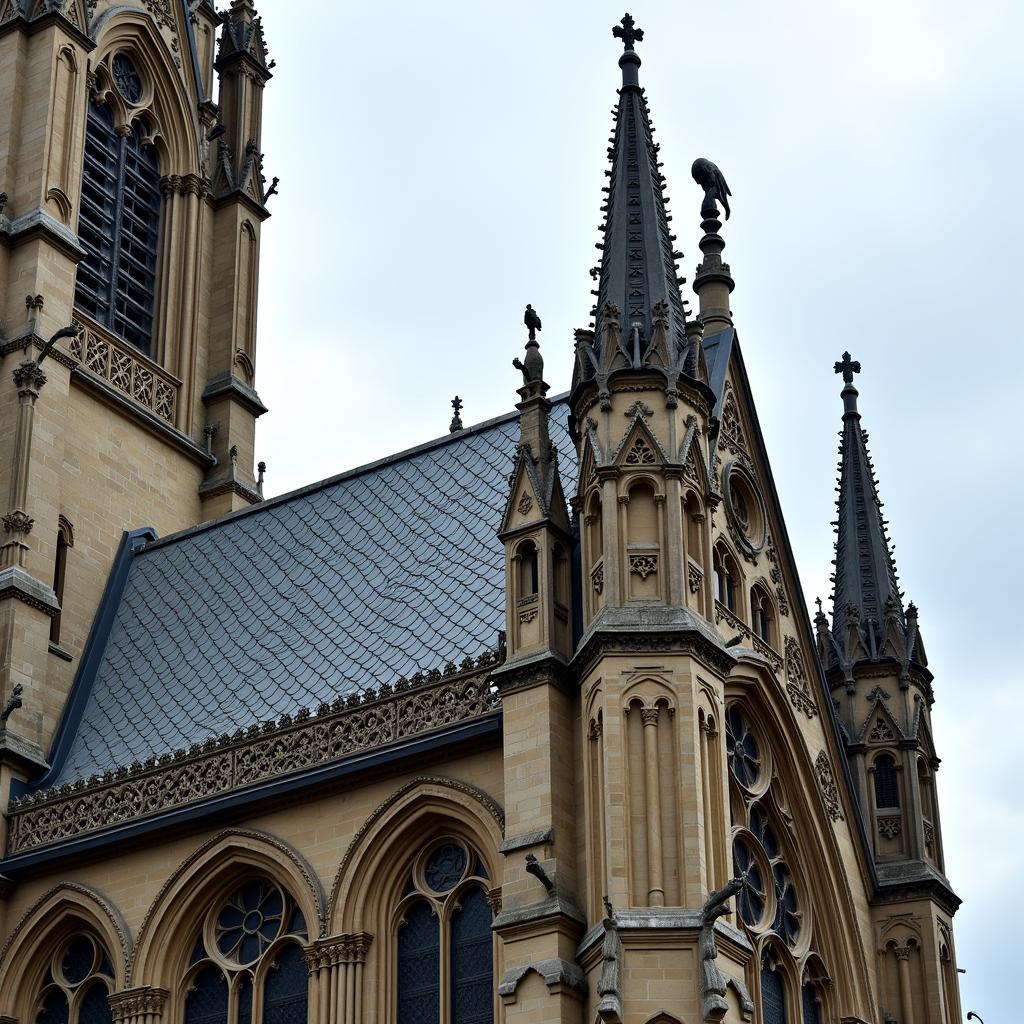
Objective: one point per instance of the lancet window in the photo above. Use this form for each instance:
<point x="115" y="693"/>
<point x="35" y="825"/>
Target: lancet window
<point x="119" y="220"/>
<point x="76" y="984"/>
<point x="762" y="614"/>
<point x="445" y="951"/>
<point x="726" y="578"/>
<point x="887" y="789"/>
<point x="247" y="964"/>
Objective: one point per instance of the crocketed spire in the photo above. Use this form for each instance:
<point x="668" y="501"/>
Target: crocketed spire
<point x="637" y="280"/>
<point x="868" y="618"/>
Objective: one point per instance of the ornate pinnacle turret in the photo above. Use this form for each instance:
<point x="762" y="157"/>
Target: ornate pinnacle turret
<point x="638" y="264"/>
<point x="868" y="619"/>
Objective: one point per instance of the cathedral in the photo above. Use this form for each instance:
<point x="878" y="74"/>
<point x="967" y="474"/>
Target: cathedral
<point x="526" y="724"/>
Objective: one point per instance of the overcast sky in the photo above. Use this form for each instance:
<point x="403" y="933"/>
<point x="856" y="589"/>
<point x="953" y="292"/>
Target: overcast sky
<point x="441" y="166"/>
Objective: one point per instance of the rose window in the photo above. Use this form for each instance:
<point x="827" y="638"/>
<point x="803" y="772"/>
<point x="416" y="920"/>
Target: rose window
<point x="744" y="752"/>
<point x="250" y="921"/>
<point x="126" y="78"/>
<point x="76" y="985"/>
<point x="445" y="867"/>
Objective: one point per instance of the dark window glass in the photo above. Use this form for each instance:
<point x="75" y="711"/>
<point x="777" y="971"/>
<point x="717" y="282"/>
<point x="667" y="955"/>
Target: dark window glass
<point x="78" y="961"/>
<point x="207" y="1001"/>
<point x="118" y="227"/>
<point x="744" y="753"/>
<point x="887" y="791"/>
<point x="472" y="985"/>
<point x="418" y="967"/>
<point x="812" y="1008"/>
<point x="773" y="996"/>
<point x="750" y="900"/>
<point x="60" y="565"/>
<point x="285" y="992"/>
<point x="245" y="1000"/>
<point x="54" y="1009"/>
<point x="445" y="867"/>
<point x="126" y="78"/>
<point x="95" y="1006"/>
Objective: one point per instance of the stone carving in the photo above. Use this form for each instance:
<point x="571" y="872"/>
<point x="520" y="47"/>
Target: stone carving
<point x="798" y="685"/>
<point x="827" y="783"/>
<point x="525" y="504"/>
<point x="231" y="761"/>
<point x="640" y="454"/>
<point x="609" y="997"/>
<point x="145" y="382"/>
<point x="889" y="825"/>
<point x="643" y="565"/>
<point x="134" y="1002"/>
<point x="534" y="867"/>
<point x="528" y="615"/>
<point x="731" y="434"/>
<point x="348" y="948"/>
<point x="881" y="732"/>
<point x="711" y="179"/>
<point x="713" y="981"/>
<point x="597" y="578"/>
<point x="694" y="578"/>
<point x="13" y="703"/>
<point x="638" y="408"/>
<point x="17" y="521"/>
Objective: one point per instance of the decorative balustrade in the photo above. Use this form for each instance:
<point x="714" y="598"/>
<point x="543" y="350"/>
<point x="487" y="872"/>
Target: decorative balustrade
<point x="126" y="369"/>
<point x="280" y="747"/>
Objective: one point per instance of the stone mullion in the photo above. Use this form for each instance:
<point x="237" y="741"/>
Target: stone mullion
<point x="29" y="380"/>
<point x="336" y="967"/>
<point x="164" y="336"/>
<point x="187" y="292"/>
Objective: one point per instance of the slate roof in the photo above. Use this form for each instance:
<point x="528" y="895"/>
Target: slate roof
<point x="378" y="573"/>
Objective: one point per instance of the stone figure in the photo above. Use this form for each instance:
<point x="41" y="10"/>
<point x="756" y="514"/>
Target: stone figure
<point x="713" y="981"/>
<point x="711" y="179"/>
<point x="532" y="321"/>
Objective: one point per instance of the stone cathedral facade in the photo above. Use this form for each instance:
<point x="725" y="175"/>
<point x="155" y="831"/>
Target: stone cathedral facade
<point x="526" y="724"/>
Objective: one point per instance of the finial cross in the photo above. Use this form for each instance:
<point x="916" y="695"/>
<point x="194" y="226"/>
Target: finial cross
<point x="628" y="32"/>
<point x="457" y="405"/>
<point x="847" y="367"/>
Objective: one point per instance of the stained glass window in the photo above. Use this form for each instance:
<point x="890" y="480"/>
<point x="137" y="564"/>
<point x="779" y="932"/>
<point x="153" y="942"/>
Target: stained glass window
<point x="419" y="958"/>
<point x="285" y="990"/>
<point x="887" y="790"/>
<point x="751" y="898"/>
<point x="811" y="1005"/>
<point x="773" y="995"/>
<point x="744" y="753"/>
<point x="126" y="78"/>
<point x="118" y="227"/>
<point x="445" y="947"/>
<point x="79" y="976"/>
<point x="472" y="960"/>
<point x="244" y="929"/>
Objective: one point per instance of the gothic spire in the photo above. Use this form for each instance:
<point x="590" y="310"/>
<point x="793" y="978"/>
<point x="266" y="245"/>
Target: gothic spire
<point x="867" y="605"/>
<point x="637" y="282"/>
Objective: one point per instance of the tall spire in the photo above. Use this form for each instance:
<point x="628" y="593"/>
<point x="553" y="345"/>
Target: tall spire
<point x="637" y="281"/>
<point x="866" y="600"/>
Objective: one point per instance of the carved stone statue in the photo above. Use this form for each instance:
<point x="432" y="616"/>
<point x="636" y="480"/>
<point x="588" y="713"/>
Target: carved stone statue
<point x="713" y="981"/>
<point x="609" y="1006"/>
<point x="711" y="179"/>
<point x="532" y="367"/>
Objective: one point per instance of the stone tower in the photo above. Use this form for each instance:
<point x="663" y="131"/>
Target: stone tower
<point x="130" y="214"/>
<point x="878" y="675"/>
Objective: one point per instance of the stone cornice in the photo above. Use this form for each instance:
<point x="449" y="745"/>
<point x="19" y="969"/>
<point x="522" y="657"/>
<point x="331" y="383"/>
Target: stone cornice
<point x="526" y="672"/>
<point x="47" y="20"/>
<point x="16" y="583"/>
<point x="38" y="223"/>
<point x="248" y="757"/>
<point x="228" y="385"/>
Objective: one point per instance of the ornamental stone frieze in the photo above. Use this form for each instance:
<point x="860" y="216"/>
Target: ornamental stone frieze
<point x="276" y="748"/>
<point x="338" y="949"/>
<point x="134" y="1003"/>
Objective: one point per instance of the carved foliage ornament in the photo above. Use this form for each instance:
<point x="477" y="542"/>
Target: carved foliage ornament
<point x="827" y="784"/>
<point x="525" y="504"/>
<point x="643" y="565"/>
<point x="797" y="683"/>
<point x="640" y="454"/>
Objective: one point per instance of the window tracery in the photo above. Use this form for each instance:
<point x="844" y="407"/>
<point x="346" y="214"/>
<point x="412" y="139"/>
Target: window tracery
<point x="76" y="984"/>
<point x="726" y="577"/>
<point x="119" y="218"/>
<point x="445" y="950"/>
<point x="247" y="963"/>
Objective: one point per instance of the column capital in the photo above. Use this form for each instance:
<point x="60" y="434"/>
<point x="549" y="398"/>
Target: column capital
<point x="132" y="1002"/>
<point x="902" y="952"/>
<point x="29" y="379"/>
<point x="349" y="948"/>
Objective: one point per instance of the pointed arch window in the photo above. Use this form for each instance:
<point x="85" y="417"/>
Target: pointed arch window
<point x="773" y="993"/>
<point x="811" y="1003"/>
<point x="118" y="225"/>
<point x="445" y="962"/>
<point x="762" y="614"/>
<point x="247" y="963"/>
<point x="77" y="984"/>
<point x="726" y="578"/>
<point x="887" y="790"/>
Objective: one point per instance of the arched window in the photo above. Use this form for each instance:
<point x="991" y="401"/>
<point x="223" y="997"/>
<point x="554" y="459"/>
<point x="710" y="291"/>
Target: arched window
<point x="773" y="993"/>
<point x="887" y="790"/>
<point x="119" y="224"/>
<point x="726" y="578"/>
<point x="445" y="948"/>
<point x="65" y="540"/>
<point x="811" y="1003"/>
<point x="248" y="958"/>
<point x="77" y="983"/>
<point x="527" y="568"/>
<point x="762" y="614"/>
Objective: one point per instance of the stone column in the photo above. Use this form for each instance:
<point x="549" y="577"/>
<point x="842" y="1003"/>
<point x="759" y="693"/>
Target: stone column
<point x="29" y="380"/>
<point x="336" y="978"/>
<point x="655" y="872"/>
<point x="906" y="992"/>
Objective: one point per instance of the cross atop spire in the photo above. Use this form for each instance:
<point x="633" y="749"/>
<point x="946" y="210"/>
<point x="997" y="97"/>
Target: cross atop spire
<point x="847" y="367"/>
<point x="628" y="32"/>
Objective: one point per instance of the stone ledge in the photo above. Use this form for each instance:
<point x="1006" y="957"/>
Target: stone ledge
<point x="38" y="223"/>
<point x="16" y="583"/>
<point x="521" y="842"/>
<point x="228" y="385"/>
<point x="557" y="974"/>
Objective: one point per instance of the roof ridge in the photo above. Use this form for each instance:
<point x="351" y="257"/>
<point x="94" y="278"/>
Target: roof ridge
<point x="348" y="474"/>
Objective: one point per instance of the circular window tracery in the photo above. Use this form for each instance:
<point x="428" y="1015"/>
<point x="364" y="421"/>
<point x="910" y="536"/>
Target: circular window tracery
<point x="752" y="899"/>
<point x="127" y="79"/>
<point x="249" y="921"/>
<point x="76" y="984"/>
<point x="445" y="867"/>
<point x="744" y="507"/>
<point x="743" y="748"/>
